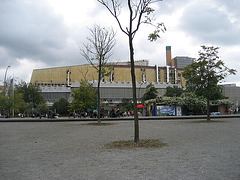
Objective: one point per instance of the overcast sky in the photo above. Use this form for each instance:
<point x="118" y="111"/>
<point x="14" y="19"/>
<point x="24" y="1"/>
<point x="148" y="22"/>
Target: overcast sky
<point x="48" y="33"/>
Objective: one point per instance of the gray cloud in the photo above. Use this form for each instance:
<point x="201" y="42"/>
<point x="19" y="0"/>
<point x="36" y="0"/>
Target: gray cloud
<point x="231" y="6"/>
<point x="210" y="24"/>
<point x="170" y="6"/>
<point x="30" y="30"/>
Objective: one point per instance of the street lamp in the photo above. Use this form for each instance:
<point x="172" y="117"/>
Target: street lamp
<point x="5" y="84"/>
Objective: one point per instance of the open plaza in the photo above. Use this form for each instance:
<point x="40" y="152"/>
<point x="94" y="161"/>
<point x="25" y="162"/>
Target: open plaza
<point x="77" y="150"/>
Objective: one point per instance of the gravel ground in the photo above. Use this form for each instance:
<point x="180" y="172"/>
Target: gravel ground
<point x="74" y="150"/>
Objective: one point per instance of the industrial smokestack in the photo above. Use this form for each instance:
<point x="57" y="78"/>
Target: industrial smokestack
<point x="168" y="55"/>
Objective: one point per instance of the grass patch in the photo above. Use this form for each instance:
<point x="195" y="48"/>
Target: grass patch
<point x="101" y="124"/>
<point x="145" y="143"/>
<point x="211" y="121"/>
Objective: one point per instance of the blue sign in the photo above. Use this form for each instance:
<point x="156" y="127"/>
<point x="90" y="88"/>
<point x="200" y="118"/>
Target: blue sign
<point x="165" y="110"/>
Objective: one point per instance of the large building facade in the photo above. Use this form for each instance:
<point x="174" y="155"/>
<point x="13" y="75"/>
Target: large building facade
<point x="59" y="81"/>
<point x="111" y="93"/>
<point x="117" y="73"/>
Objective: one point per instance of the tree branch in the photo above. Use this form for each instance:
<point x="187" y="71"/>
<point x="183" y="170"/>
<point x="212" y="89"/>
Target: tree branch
<point x="114" y="11"/>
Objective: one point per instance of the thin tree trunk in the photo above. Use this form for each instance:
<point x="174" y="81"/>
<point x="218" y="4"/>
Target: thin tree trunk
<point x="136" y="124"/>
<point x="130" y="38"/>
<point x="98" y="93"/>
<point x="208" y="109"/>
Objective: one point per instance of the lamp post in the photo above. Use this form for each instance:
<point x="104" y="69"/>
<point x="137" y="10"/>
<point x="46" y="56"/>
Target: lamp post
<point x="141" y="83"/>
<point x="5" y="84"/>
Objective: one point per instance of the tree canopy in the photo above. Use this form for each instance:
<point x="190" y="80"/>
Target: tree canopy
<point x="174" y="91"/>
<point x="126" y="105"/>
<point x="203" y="75"/>
<point x="61" y="106"/>
<point x="14" y="102"/>
<point x="31" y="94"/>
<point x="84" y="97"/>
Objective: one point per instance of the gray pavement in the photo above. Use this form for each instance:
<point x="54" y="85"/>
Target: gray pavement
<point x="74" y="150"/>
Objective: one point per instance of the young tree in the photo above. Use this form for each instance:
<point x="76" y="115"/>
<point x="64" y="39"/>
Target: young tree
<point x="14" y="102"/>
<point x="139" y="13"/>
<point x="61" y="106"/>
<point x="205" y="73"/>
<point x="4" y="103"/>
<point x="150" y="92"/>
<point x="31" y="94"/>
<point x="42" y="109"/>
<point x="84" y="97"/>
<point x="126" y="105"/>
<point x="98" y="52"/>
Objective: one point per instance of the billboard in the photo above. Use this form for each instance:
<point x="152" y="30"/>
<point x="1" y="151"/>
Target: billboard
<point x="169" y="110"/>
<point x="165" y="110"/>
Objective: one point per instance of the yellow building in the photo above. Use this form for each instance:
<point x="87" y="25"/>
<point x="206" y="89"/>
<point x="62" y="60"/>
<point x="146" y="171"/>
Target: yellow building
<point x="118" y="72"/>
<point x="59" y="81"/>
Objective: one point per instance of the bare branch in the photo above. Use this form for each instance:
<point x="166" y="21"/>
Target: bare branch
<point x="114" y="10"/>
<point x="141" y="10"/>
<point x="85" y="51"/>
<point x="84" y="74"/>
<point x="100" y="49"/>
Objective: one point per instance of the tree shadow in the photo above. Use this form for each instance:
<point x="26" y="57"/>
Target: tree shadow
<point x="130" y="144"/>
<point x="100" y="124"/>
<point x="206" y="121"/>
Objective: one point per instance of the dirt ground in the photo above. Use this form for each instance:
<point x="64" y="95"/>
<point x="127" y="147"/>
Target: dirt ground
<point x="74" y="150"/>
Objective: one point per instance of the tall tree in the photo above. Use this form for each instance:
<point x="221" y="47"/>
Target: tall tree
<point x="84" y="97"/>
<point x="139" y="13"/>
<point x="98" y="52"/>
<point x="205" y="73"/>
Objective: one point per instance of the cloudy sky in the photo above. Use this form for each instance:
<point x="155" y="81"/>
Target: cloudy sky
<point x="48" y="33"/>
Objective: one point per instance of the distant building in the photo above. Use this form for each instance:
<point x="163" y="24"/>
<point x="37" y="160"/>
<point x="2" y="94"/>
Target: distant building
<point x="182" y="61"/>
<point x="233" y="93"/>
